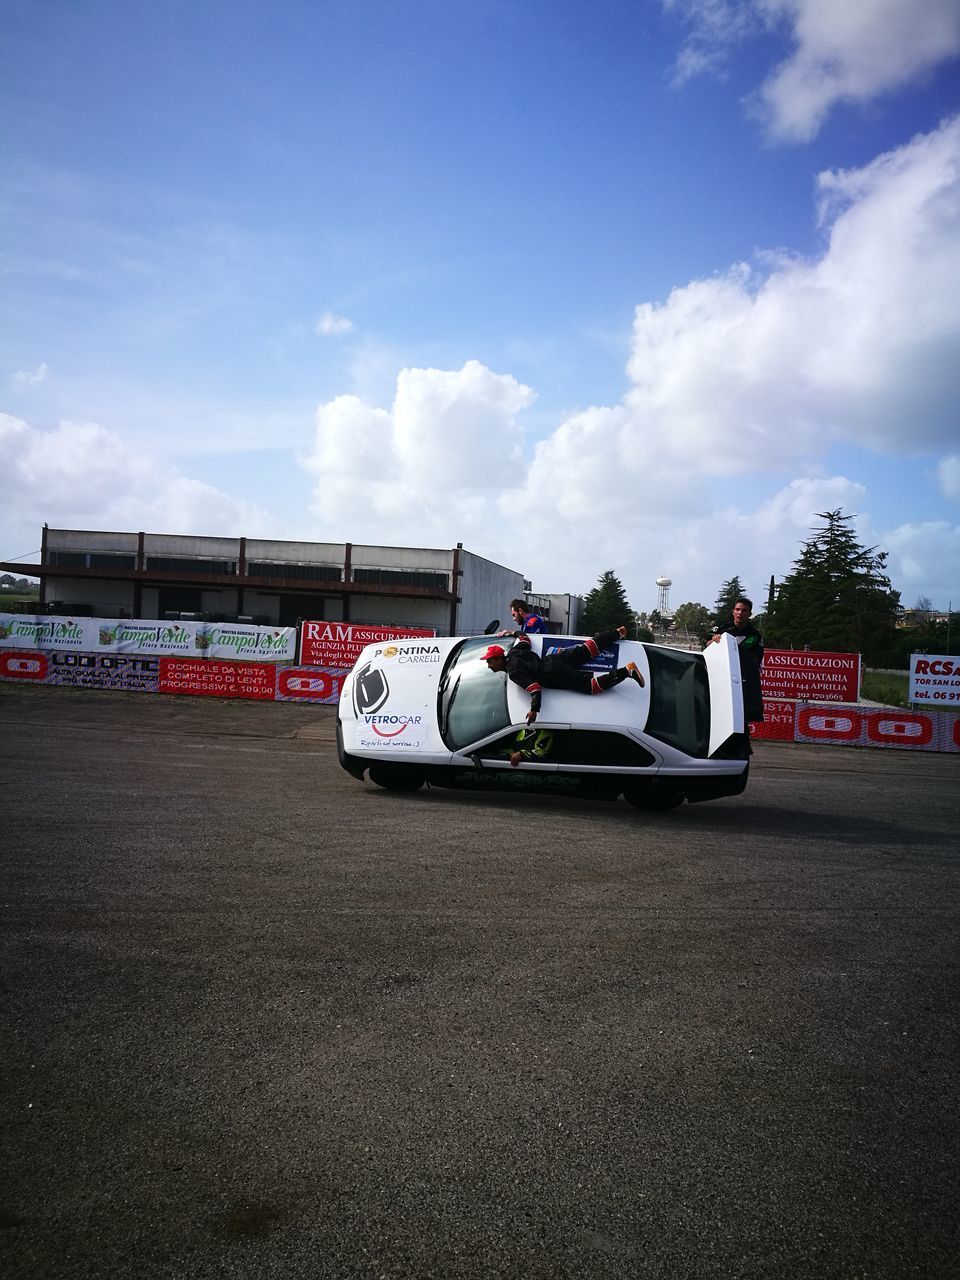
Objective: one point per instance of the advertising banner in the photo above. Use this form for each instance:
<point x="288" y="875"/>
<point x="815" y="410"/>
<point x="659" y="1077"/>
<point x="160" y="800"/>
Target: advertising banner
<point x="42" y="631"/>
<point x="606" y="659"/>
<point x="878" y="727"/>
<point x="51" y="632"/>
<point x="309" y="684"/>
<point x="339" y="644"/>
<point x="218" y="679"/>
<point x="813" y="677"/>
<point x="778" y="723"/>
<point x="934" y="679"/>
<point x="103" y="671"/>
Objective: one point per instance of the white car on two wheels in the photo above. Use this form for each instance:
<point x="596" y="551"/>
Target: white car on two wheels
<point x="429" y="710"/>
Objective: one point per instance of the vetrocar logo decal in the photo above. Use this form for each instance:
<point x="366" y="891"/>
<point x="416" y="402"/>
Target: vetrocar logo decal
<point x="370" y="691"/>
<point x="391" y="726"/>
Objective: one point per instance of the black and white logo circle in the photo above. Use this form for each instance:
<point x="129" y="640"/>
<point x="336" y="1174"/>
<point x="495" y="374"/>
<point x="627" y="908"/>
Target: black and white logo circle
<point x="370" y="691"/>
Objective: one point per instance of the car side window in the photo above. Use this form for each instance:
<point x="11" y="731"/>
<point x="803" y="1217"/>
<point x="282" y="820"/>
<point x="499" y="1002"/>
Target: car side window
<point x="593" y="746"/>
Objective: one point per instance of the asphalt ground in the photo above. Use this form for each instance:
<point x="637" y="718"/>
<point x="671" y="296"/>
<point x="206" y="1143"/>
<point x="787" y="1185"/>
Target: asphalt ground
<point x="262" y="1020"/>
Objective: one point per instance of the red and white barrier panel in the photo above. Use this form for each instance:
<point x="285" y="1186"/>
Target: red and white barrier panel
<point x="199" y="677"/>
<point x="848" y="726"/>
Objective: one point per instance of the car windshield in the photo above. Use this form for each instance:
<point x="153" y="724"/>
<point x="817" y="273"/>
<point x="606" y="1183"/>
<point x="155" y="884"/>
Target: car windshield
<point x="473" y="699"/>
<point x="679" y="700"/>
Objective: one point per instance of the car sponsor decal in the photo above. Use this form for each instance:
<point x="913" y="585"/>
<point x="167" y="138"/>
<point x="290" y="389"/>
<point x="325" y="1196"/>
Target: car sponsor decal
<point x="370" y="691"/>
<point x="391" y="726"/>
<point x="401" y="730"/>
<point x="606" y="659"/>
<point x="403" y="654"/>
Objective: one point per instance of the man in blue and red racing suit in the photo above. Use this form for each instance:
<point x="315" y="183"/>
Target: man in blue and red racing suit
<point x="560" y="670"/>
<point x="528" y="624"/>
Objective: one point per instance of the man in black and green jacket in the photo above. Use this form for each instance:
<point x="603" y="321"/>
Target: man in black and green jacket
<point x="750" y="647"/>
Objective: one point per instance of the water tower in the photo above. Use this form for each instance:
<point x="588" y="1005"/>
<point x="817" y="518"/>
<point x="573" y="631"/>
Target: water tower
<point x="663" y="595"/>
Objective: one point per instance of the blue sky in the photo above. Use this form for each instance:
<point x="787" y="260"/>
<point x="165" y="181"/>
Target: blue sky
<point x="640" y="286"/>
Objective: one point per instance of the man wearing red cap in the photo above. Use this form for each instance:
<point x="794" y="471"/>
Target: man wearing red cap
<point x="560" y="670"/>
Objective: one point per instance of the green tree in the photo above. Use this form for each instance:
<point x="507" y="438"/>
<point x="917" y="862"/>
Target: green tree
<point x="837" y="597"/>
<point x="927" y="636"/>
<point x="729" y="592"/>
<point x="606" y="607"/>
<point x="694" y="618"/>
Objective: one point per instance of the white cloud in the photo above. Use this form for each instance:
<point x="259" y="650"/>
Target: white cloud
<point x="82" y="475"/>
<point x="851" y="52"/>
<point x="923" y="557"/>
<point x="434" y="461"/>
<point x="751" y="368"/>
<point x="333" y="326"/>
<point x="755" y="372"/>
<point x="948" y="474"/>
<point x="23" y="379"/>
<point x="715" y="27"/>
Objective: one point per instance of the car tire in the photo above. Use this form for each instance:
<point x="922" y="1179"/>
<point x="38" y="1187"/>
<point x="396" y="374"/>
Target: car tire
<point x="396" y="777"/>
<point x="654" y="797"/>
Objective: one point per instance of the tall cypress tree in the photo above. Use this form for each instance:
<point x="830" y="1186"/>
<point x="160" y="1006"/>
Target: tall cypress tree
<point x="606" y="607"/>
<point x="837" y="597"/>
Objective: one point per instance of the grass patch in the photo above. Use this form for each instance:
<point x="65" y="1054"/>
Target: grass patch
<point x="890" y="688"/>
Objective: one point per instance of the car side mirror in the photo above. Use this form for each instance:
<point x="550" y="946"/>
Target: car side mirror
<point x="491" y="627"/>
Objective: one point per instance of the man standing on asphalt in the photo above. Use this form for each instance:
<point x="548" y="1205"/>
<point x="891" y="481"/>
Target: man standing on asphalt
<point x="750" y="646"/>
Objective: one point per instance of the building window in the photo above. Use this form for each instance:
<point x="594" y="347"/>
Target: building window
<point x="111" y="560"/>
<point x="68" y="559"/>
<point x="302" y="572"/>
<point x="91" y="560"/>
<point x="401" y="578"/>
<point x="180" y="565"/>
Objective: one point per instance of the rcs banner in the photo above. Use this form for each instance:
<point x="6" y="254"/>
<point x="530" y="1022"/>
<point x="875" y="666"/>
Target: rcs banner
<point x="935" y="679"/>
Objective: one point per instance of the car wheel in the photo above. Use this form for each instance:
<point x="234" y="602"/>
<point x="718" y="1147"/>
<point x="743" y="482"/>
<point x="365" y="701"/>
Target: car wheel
<point x="654" y="797"/>
<point x="396" y="777"/>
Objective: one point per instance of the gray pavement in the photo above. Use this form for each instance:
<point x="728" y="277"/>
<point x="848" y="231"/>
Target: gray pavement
<point x="261" y="1020"/>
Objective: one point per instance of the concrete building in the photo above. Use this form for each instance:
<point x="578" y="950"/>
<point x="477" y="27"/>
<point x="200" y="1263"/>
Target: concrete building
<point x="157" y="575"/>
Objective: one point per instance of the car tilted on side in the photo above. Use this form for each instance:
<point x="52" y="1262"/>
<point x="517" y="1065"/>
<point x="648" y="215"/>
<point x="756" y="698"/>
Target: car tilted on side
<point x="430" y="711"/>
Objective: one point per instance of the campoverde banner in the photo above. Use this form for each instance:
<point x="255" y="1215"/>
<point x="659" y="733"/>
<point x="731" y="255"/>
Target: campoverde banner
<point x="52" y="632"/>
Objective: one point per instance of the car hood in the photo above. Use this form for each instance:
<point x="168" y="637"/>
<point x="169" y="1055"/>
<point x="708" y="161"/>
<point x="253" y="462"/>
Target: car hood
<point x="389" y="700"/>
